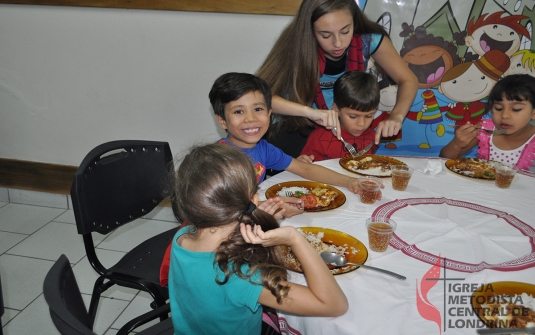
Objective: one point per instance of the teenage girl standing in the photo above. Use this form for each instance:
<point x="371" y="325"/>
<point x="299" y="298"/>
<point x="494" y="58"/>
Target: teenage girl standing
<point x="324" y="40"/>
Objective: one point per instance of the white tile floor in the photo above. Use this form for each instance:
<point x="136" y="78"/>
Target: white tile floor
<point x="35" y="229"/>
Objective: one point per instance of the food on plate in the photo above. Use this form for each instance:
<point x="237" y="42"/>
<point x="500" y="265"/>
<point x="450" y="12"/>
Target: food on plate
<point x="473" y="167"/>
<point x="312" y="198"/>
<point x="316" y="240"/>
<point x="377" y="166"/>
<point x="509" y="311"/>
<point x="309" y="201"/>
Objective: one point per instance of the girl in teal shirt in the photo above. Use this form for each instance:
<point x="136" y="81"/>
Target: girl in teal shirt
<point x="226" y="264"/>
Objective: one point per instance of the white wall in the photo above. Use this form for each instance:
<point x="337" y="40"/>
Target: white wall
<point x="72" y="78"/>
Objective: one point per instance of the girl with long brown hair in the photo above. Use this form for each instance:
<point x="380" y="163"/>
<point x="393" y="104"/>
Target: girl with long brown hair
<point x="326" y="39"/>
<point x="227" y="263"/>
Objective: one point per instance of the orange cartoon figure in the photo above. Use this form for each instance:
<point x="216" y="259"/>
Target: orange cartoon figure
<point x="497" y="31"/>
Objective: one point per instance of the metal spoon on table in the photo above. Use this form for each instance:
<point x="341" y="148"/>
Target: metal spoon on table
<point x="337" y="260"/>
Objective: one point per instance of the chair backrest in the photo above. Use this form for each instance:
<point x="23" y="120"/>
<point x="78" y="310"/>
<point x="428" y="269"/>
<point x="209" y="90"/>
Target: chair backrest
<point x="2" y="308"/>
<point x="118" y="182"/>
<point x="64" y="300"/>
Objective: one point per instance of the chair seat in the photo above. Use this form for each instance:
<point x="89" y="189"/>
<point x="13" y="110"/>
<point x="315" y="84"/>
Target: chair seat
<point x="143" y="261"/>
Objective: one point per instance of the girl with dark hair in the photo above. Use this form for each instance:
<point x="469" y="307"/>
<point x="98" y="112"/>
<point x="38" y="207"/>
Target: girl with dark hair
<point x="512" y="104"/>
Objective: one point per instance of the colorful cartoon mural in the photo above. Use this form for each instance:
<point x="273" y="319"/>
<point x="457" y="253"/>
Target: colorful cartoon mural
<point x="458" y="49"/>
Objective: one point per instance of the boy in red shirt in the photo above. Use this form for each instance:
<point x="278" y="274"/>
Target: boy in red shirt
<point x="356" y="98"/>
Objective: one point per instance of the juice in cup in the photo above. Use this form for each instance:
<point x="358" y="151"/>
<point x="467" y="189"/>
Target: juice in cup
<point x="380" y="232"/>
<point x="504" y="175"/>
<point x="401" y="174"/>
<point x="369" y="189"/>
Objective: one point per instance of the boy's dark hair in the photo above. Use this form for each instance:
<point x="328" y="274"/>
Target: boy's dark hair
<point x="357" y="90"/>
<point x="232" y="86"/>
<point x="520" y="87"/>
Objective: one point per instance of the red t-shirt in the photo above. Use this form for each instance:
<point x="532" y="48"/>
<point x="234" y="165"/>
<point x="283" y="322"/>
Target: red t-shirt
<point x="324" y="145"/>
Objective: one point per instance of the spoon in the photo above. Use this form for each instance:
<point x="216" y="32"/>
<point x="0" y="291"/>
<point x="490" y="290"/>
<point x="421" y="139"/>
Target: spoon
<point x="337" y="260"/>
<point x="489" y="131"/>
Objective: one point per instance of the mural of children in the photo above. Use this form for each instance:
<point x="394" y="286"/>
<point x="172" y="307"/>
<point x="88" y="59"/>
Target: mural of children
<point x="471" y="82"/>
<point x="522" y="62"/>
<point x="388" y="93"/>
<point x="428" y="56"/>
<point x="437" y="45"/>
<point x="497" y="31"/>
<point x="430" y="117"/>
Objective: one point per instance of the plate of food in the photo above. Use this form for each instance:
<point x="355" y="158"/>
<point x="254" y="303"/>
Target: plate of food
<point x="370" y="165"/>
<point x="316" y="196"/>
<point x="505" y="304"/>
<point x="325" y="239"/>
<point x="473" y="167"/>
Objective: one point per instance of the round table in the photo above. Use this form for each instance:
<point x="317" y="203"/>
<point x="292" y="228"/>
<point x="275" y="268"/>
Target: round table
<point x="454" y="234"/>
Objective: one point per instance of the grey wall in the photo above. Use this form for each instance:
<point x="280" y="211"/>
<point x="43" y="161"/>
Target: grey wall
<point x="72" y="78"/>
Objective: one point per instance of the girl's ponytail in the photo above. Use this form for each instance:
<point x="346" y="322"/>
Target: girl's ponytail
<point x="214" y="186"/>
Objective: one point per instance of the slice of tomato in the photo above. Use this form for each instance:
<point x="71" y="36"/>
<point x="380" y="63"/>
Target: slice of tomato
<point x="309" y="201"/>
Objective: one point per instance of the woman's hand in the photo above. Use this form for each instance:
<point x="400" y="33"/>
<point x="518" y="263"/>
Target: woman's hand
<point x="325" y="118"/>
<point x="387" y="128"/>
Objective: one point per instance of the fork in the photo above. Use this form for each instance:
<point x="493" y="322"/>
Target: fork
<point x="348" y="146"/>
<point x="488" y="131"/>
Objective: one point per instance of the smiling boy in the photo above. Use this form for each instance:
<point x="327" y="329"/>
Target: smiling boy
<point x="356" y="97"/>
<point x="242" y="106"/>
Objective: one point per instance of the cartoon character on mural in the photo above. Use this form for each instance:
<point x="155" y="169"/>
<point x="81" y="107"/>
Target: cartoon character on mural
<point x="388" y="93"/>
<point x="457" y="56"/>
<point x="429" y="57"/>
<point x="469" y="84"/>
<point x="522" y="62"/>
<point x="497" y="31"/>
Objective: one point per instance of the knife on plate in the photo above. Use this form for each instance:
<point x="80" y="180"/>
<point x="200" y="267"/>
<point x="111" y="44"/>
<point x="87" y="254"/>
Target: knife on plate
<point x="365" y="150"/>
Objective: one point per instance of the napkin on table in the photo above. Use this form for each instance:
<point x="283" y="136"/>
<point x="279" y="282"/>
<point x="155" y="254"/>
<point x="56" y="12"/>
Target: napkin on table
<point x="433" y="167"/>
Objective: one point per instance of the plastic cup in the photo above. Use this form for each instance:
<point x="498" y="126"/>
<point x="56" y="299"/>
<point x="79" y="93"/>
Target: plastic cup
<point x="504" y="175"/>
<point x="401" y="174"/>
<point x="380" y="232"/>
<point x="369" y="189"/>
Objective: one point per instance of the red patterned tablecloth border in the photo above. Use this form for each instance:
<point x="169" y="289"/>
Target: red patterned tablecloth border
<point x="524" y="262"/>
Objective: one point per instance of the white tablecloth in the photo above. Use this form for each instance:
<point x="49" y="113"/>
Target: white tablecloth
<point x="485" y="233"/>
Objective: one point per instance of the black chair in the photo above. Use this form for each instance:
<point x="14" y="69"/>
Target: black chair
<point x="2" y="308"/>
<point x="116" y="183"/>
<point x="68" y="311"/>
